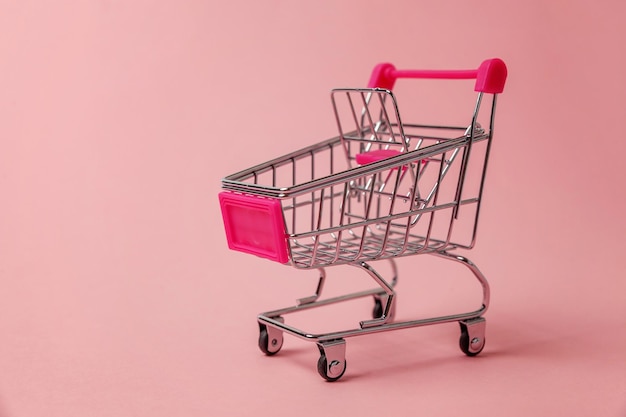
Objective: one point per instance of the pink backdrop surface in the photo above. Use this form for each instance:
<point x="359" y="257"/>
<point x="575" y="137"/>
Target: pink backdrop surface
<point x="119" y="297"/>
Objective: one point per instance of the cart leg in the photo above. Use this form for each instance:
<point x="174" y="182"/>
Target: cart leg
<point x="380" y="302"/>
<point x="318" y="291"/>
<point x="472" y="267"/>
<point x="388" y="296"/>
<point x="332" y="362"/>
<point x="472" y="340"/>
<point x="381" y="299"/>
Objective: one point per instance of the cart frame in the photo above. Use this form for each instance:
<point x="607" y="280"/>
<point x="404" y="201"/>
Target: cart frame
<point x="358" y="212"/>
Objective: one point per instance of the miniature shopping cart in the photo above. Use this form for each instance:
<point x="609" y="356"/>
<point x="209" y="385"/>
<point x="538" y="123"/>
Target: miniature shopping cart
<point x="381" y="190"/>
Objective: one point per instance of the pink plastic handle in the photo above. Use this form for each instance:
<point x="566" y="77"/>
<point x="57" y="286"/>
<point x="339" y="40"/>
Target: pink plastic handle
<point x="490" y="76"/>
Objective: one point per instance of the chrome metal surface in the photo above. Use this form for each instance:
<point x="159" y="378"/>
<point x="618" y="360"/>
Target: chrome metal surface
<point x="390" y="297"/>
<point x="318" y="291"/>
<point x="474" y="269"/>
<point x="377" y="326"/>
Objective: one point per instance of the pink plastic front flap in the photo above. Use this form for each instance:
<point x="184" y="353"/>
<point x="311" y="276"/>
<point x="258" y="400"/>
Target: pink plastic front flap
<point x="254" y="225"/>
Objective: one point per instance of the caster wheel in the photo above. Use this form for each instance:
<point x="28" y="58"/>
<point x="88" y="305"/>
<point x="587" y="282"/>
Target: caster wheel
<point x="330" y="372"/>
<point x="472" y="340"/>
<point x="379" y="307"/>
<point x="270" y="340"/>
<point x="332" y="362"/>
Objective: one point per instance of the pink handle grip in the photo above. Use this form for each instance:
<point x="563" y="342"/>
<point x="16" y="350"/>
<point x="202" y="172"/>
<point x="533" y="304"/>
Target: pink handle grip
<point x="490" y="76"/>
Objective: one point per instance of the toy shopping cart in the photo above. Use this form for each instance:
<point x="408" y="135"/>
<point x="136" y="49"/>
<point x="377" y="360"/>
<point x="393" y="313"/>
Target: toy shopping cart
<point x="380" y="190"/>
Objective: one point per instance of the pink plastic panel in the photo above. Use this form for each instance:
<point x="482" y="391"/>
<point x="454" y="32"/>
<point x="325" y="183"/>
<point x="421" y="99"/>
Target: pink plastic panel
<point x="375" y="156"/>
<point x="254" y="225"/>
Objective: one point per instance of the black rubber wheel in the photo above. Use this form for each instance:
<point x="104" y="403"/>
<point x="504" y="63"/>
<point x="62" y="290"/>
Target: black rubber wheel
<point x="267" y="346"/>
<point x="378" y="308"/>
<point x="322" y="369"/>
<point x="464" y="342"/>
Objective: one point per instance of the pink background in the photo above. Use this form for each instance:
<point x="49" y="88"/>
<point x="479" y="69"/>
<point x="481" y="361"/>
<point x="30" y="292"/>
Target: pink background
<point x="118" y="296"/>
